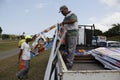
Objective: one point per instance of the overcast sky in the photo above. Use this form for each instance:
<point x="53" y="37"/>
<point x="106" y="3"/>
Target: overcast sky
<point x="33" y="16"/>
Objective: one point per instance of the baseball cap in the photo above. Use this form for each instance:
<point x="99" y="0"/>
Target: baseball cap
<point x="62" y="8"/>
<point x="28" y="36"/>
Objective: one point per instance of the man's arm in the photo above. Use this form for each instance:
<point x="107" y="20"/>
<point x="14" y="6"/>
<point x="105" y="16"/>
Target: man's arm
<point x="19" y="45"/>
<point x="20" y="53"/>
<point x="71" y="21"/>
<point x="19" y="56"/>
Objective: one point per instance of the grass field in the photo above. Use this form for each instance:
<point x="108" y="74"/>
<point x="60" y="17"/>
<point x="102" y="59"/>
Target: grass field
<point x="115" y="38"/>
<point x="9" y="67"/>
<point x="7" y="45"/>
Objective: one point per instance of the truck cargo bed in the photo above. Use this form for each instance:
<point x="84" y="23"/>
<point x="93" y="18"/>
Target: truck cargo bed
<point x="86" y="67"/>
<point x="87" y="62"/>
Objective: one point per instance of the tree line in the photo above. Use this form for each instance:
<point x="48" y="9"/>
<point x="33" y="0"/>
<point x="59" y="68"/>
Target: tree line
<point x="8" y="36"/>
<point x="114" y="31"/>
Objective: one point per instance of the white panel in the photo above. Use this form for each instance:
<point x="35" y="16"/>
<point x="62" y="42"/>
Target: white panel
<point x="81" y="36"/>
<point x="99" y="75"/>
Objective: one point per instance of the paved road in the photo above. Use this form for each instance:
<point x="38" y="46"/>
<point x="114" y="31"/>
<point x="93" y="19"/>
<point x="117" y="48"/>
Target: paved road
<point x="6" y="54"/>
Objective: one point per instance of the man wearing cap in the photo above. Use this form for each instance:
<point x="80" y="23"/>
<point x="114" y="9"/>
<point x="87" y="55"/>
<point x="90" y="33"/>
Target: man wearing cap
<point x="24" y="58"/>
<point x="21" y="41"/>
<point x="70" y="23"/>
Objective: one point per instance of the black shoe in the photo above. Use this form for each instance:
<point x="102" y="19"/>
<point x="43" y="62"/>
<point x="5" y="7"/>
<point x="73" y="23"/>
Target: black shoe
<point x="25" y="77"/>
<point x="69" y="66"/>
<point x="19" y="78"/>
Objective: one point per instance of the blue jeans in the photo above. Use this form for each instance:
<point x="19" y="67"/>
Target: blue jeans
<point x="24" y="72"/>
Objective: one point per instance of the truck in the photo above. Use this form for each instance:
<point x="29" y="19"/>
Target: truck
<point x="87" y="36"/>
<point x="86" y="67"/>
<point x="86" y="33"/>
<point x="99" y="40"/>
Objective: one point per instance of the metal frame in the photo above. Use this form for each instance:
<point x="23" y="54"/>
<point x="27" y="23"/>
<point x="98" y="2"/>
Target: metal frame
<point x="56" y="68"/>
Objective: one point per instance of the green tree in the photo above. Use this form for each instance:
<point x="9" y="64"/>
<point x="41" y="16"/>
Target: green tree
<point x="114" y="31"/>
<point x="5" y="36"/>
<point x="98" y="32"/>
<point x="0" y="31"/>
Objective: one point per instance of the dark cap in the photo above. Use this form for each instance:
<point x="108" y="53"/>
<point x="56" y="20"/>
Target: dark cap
<point x="63" y="7"/>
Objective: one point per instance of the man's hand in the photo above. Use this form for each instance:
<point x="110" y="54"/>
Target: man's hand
<point x="61" y="24"/>
<point x="18" y="62"/>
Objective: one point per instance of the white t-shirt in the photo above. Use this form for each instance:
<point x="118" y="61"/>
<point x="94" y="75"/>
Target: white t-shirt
<point x="73" y="26"/>
<point x="26" y="51"/>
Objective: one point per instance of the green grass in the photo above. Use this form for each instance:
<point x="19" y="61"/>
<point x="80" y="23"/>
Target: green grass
<point x="7" y="45"/>
<point x="9" y="67"/>
<point x="115" y="38"/>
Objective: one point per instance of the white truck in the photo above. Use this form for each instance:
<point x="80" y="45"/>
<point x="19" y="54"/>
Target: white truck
<point x="86" y="33"/>
<point x="85" y="67"/>
<point x="99" y="40"/>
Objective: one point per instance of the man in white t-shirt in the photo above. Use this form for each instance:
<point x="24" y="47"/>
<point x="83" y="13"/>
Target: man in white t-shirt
<point x="24" y="58"/>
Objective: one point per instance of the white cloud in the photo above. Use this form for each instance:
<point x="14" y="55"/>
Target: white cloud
<point x="111" y="3"/>
<point x="105" y="23"/>
<point x="111" y="19"/>
<point x="27" y="10"/>
<point x="93" y="19"/>
<point x="40" y="5"/>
